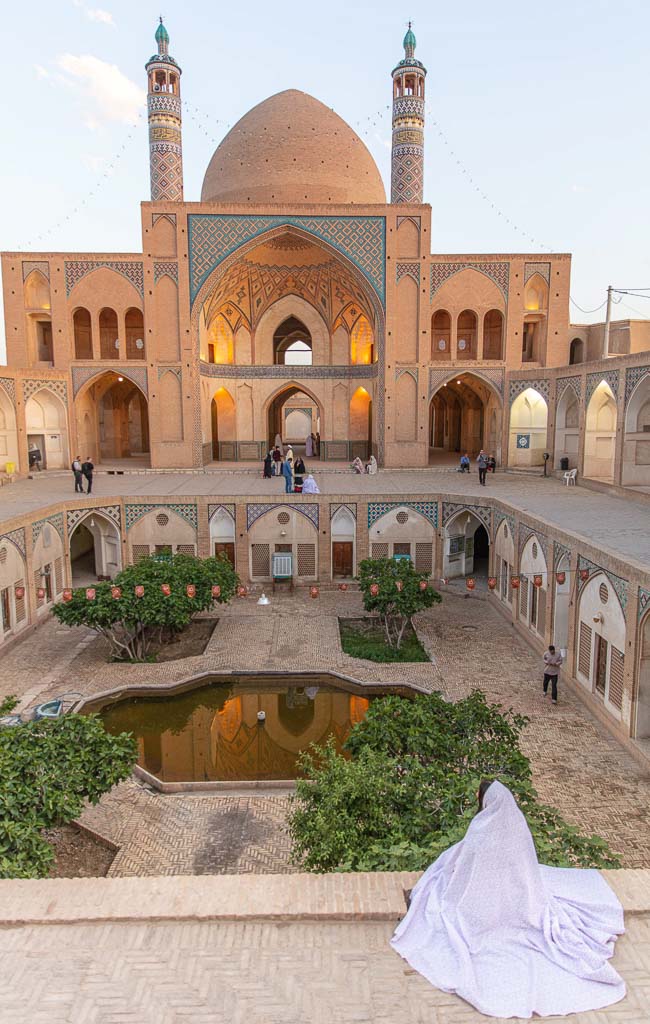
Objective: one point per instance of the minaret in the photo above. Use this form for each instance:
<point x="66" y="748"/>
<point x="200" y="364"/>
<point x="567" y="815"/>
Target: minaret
<point x="407" y="160"/>
<point x="164" y="107"/>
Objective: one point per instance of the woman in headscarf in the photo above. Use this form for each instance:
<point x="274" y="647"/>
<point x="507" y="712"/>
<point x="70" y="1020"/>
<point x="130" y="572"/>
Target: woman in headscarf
<point x="371" y="466"/>
<point x="310" y="486"/>
<point x="507" y="934"/>
<point x="357" y="465"/>
<point x="298" y="473"/>
<point x="268" y="466"/>
<point x="309" y="447"/>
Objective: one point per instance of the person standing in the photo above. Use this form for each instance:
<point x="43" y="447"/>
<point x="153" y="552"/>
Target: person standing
<point x="268" y="465"/>
<point x="309" y="448"/>
<point x="482" y="461"/>
<point x="552" y="662"/>
<point x="78" y="475"/>
<point x="88" y="468"/>
<point x="277" y="461"/>
<point x="299" y="473"/>
<point x="287" y="473"/>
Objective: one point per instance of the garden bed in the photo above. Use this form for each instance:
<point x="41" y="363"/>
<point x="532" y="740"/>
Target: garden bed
<point x="77" y="854"/>
<point x="188" y="644"/>
<point x="365" y="638"/>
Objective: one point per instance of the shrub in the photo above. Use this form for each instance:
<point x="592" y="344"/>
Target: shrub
<point x="400" y="593"/>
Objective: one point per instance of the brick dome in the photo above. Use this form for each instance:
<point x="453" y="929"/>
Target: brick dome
<point x="292" y="149"/>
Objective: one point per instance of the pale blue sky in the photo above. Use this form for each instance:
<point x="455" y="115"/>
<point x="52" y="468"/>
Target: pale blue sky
<point x="545" y="105"/>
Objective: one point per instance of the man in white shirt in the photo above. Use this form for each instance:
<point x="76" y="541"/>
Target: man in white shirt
<point x="552" y="662"/>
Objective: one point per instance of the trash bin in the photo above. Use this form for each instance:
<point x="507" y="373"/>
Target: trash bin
<point x="10" y="468"/>
<point x="564" y="463"/>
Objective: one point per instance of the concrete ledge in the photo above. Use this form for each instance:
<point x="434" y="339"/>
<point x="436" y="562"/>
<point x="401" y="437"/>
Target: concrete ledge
<point x="335" y="897"/>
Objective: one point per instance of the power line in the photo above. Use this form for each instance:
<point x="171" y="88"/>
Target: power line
<point x="587" y="312"/>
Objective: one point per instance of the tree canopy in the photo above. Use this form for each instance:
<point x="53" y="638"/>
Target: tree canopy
<point x="393" y="588"/>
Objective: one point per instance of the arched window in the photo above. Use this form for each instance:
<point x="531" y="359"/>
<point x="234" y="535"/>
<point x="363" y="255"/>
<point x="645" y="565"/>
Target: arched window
<point x="493" y="335"/>
<point x="292" y="345"/>
<point x="467" y="330"/>
<point x="134" y="322"/>
<point x="441" y="335"/>
<point x="576" y="352"/>
<point x="83" y="338"/>
<point x="361" y="342"/>
<point x="109" y="345"/>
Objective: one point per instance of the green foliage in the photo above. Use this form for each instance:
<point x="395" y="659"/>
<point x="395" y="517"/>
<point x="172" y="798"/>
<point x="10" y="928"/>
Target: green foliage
<point x="8" y="704"/>
<point x="130" y="623"/>
<point x="367" y="640"/>
<point x="395" y="606"/>
<point x="47" y="770"/>
<point x="409" y="789"/>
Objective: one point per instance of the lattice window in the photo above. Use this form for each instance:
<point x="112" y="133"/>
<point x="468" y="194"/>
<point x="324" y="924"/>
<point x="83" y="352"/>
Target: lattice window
<point x="260" y="561"/>
<point x="162" y="519"/>
<point x="523" y="599"/>
<point x="185" y="549"/>
<point x="402" y="518"/>
<point x="283" y="518"/>
<point x="616" y="669"/>
<point x="584" y="650"/>
<point x="603" y="593"/>
<point x="40" y="601"/>
<point x="380" y="550"/>
<point x="21" y="606"/>
<point x="424" y="557"/>
<point x="58" y="575"/>
<point x="139" y="551"/>
<point x="306" y="559"/>
<point x="401" y="549"/>
<point x="456" y="546"/>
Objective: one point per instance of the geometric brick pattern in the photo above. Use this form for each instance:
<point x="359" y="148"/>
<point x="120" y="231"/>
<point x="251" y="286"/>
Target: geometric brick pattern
<point x="9" y="385"/>
<point x="17" y="538"/>
<point x="450" y="510"/>
<point x="186" y="511"/>
<point x="427" y="509"/>
<point x="498" y="272"/>
<point x="561" y="552"/>
<point x="42" y="266"/>
<point x="111" y="512"/>
<point x="499" y="517"/>
<point x="517" y="386"/>
<point x="593" y="380"/>
<point x="165" y="269"/>
<point x="76" y="270"/>
<point x="351" y="507"/>
<point x="255" y="511"/>
<point x="58" y="387"/>
<point x="619" y="584"/>
<point x="56" y="521"/>
<point x="401" y="370"/>
<point x="408" y="270"/>
<point x="644" y="602"/>
<point x="526" y="532"/>
<point x="543" y="269"/>
<point x="212" y="238"/>
<point x="633" y="376"/>
<point x="82" y="374"/>
<point x="213" y="509"/>
<point x="562" y="383"/>
<point x="494" y="377"/>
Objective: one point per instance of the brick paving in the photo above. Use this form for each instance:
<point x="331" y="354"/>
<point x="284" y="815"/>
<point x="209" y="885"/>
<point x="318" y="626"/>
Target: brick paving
<point x="237" y="973"/>
<point x="577" y="766"/>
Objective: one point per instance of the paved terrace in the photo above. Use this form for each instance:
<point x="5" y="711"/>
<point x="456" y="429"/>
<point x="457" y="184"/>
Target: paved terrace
<point x="617" y="525"/>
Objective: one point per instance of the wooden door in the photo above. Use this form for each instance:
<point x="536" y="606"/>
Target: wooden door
<point x="226" y="548"/>
<point x="5" y="605"/>
<point x="601" y="664"/>
<point x="342" y="558"/>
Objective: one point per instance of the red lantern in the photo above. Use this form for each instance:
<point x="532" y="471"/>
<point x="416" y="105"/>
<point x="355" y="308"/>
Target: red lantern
<point x="537" y="580"/>
<point x="40" y="593"/>
<point x="492" y="582"/>
<point x="190" y="590"/>
<point x="560" y="577"/>
<point x="314" y="591"/>
<point x="374" y="589"/>
<point x="116" y="593"/>
<point x="400" y="585"/>
<point x="91" y="593"/>
<point x="241" y="591"/>
<point x="423" y="584"/>
<point x="139" y="590"/>
<point x="515" y="582"/>
<point x="584" y="574"/>
<point x="216" y="590"/>
<point x="166" y="589"/>
<point x="67" y="595"/>
<point x="343" y="587"/>
<point x="20" y="593"/>
<point x="470" y="583"/>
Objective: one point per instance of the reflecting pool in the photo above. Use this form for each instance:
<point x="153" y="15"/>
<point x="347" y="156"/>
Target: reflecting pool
<point x="237" y="729"/>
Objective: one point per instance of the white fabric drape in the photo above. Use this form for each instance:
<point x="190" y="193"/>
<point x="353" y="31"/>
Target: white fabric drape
<point x="509" y="935"/>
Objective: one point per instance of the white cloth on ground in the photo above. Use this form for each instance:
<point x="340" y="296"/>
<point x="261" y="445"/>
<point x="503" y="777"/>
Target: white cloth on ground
<point x="510" y="936"/>
<point x="310" y="486"/>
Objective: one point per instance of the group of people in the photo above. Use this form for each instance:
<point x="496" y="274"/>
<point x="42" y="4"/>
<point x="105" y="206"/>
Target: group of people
<point x="82" y="471"/>
<point x="486" y="464"/>
<point x="279" y="462"/>
<point x="370" y="467"/>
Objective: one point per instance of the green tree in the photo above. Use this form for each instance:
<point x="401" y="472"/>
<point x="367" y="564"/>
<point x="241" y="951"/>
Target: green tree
<point x="47" y="770"/>
<point x="394" y="589"/>
<point x="407" y="789"/>
<point x="129" y="622"/>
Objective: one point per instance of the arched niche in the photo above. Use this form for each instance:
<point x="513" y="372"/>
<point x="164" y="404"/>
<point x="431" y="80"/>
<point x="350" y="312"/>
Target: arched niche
<point x="134" y="329"/>
<point x="306" y="314"/>
<point x="532" y="599"/>
<point x="600" y="434"/>
<point x="406" y="321"/>
<point x="48" y="565"/>
<point x="161" y="531"/>
<point x="465" y="414"/>
<point x="636" y="443"/>
<point x="562" y="604"/>
<point x="408" y="239"/>
<point x="95" y="549"/>
<point x="406" y="408"/>
<point x="13" y="574"/>
<point x="403" y="531"/>
<point x="283" y="530"/>
<point x="166" y="316"/>
<point x="493" y="334"/>
<point x="83" y="333"/>
<point x="576" y="351"/>
<point x="37" y="292"/>
<point x="567" y="428"/>
<point x="362" y="346"/>
<point x="466" y="547"/>
<point x="642" y="700"/>
<point x="46" y="423"/>
<point x="504" y="561"/>
<point x="343" y="533"/>
<point x="601" y="642"/>
<point x="467" y="334"/>
<point x="441" y="335"/>
<point x="292" y="343"/>
<point x="528" y="424"/>
<point x="223" y="426"/>
<point x="109" y="339"/>
<point x="222" y="535"/>
<point x="8" y="432"/>
<point x="360" y="430"/>
<point x="112" y="416"/>
<point x="170" y="403"/>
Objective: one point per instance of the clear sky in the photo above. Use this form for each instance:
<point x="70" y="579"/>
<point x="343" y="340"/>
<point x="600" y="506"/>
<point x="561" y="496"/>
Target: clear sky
<point x="543" y="108"/>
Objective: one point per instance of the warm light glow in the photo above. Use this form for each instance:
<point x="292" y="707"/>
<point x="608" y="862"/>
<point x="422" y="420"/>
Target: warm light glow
<point x="120" y="379"/>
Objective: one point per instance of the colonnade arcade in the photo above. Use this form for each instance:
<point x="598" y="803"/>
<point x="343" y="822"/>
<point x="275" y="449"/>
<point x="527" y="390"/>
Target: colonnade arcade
<point x="465" y="415"/>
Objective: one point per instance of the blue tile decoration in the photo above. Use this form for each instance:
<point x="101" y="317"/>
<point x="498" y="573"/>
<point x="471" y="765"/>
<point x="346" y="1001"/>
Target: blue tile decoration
<point x="17" y="538"/>
<point x="633" y="376"/>
<point x="254" y="511"/>
<point x="541" y="386"/>
<point x="450" y="509"/>
<point x="56" y="521"/>
<point x="213" y="509"/>
<point x="165" y="269"/>
<point x="523" y="441"/>
<point x="644" y="602"/>
<point x="185" y="510"/>
<point x="76" y="515"/>
<point x="428" y="509"/>
<point x="593" y="380"/>
<point x="213" y="237"/>
<point x="618" y="583"/>
<point x="560" y="551"/>
<point x="526" y="532"/>
<point x="562" y="383"/>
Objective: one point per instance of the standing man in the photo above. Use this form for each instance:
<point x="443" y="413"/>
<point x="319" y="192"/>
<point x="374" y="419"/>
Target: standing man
<point x="88" y="469"/>
<point x="78" y="475"/>
<point x="552" y="662"/>
<point x="287" y="472"/>
<point x="482" y="461"/>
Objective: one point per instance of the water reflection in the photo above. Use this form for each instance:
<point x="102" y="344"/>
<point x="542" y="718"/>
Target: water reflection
<point x="213" y="733"/>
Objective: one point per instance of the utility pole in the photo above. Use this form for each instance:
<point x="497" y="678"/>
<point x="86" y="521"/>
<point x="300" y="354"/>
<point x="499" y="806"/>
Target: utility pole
<point x="608" y="319"/>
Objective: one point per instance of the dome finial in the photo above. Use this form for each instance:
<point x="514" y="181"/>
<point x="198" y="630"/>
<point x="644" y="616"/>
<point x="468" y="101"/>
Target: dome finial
<point x="162" y="37"/>
<point x="409" y="42"/>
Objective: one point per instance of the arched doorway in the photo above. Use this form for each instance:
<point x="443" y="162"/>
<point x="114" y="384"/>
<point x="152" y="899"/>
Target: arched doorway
<point x="112" y="420"/>
<point x="576" y="351"/>
<point x="466" y="548"/>
<point x="464" y="416"/>
<point x="528" y="420"/>
<point x="532" y="599"/>
<point x="222" y="535"/>
<point x="293" y="414"/>
<point x="94" y="550"/>
<point x="47" y="429"/>
<point x="567" y="428"/>
<point x="8" y="432"/>
<point x="636" y="444"/>
<point x="601" y="642"/>
<point x="223" y="426"/>
<point x="642" y="724"/>
<point x="600" y="434"/>
<point x="292" y="345"/>
<point x="343" y="530"/>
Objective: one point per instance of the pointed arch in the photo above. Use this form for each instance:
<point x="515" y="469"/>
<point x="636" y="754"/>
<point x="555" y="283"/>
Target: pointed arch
<point x="600" y="434"/>
<point x="528" y="429"/>
<point x="46" y="424"/>
<point x="567" y="428"/>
